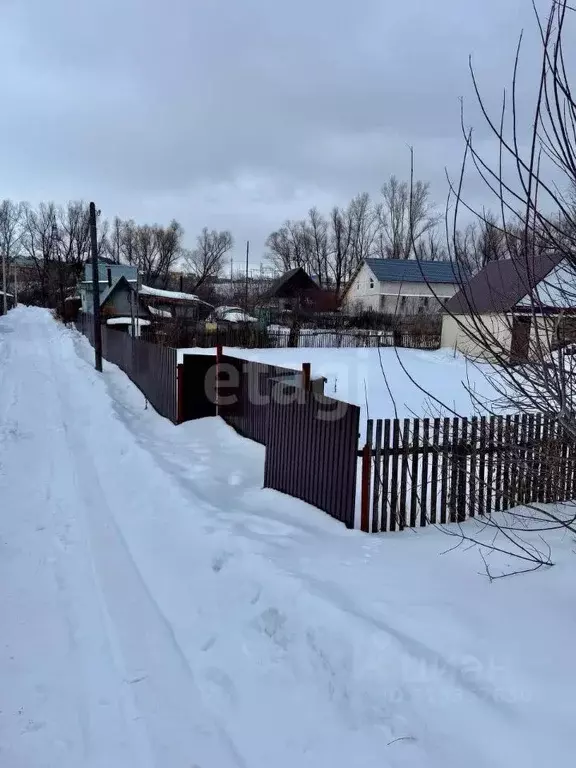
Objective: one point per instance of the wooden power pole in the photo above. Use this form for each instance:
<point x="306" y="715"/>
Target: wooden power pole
<point x="95" y="289"/>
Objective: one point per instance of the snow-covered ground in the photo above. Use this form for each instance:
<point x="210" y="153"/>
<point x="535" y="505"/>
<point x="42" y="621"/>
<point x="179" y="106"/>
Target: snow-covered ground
<point x="158" y="608"/>
<point x="387" y="383"/>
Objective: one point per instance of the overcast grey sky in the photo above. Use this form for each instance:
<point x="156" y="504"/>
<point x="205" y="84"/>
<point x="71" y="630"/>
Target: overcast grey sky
<point x="239" y="113"/>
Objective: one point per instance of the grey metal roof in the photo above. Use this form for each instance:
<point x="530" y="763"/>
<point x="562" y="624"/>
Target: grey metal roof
<point x="413" y="271"/>
<point x="500" y="285"/>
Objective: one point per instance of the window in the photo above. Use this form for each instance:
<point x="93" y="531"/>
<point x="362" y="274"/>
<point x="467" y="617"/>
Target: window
<point x="371" y="283"/>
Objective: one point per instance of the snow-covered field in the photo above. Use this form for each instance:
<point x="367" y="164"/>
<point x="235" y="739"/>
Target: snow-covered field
<point x="387" y="383"/>
<point x="159" y="609"/>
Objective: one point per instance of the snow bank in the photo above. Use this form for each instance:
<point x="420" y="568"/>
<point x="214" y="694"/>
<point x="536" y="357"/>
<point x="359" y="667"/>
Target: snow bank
<point x="160" y="609"/>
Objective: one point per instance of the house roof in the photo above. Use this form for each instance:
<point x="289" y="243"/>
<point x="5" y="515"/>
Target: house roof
<point x="500" y="285"/>
<point x="112" y="288"/>
<point x="280" y="286"/>
<point x="413" y="271"/>
<point x="176" y="296"/>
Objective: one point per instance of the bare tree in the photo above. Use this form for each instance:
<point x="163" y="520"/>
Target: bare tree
<point x="10" y="239"/>
<point x="114" y="242"/>
<point x="341" y="238"/>
<point x="405" y="216"/>
<point x="39" y="242"/>
<point x="290" y="246"/>
<point x="206" y="261"/>
<point x="535" y="231"/>
<point x="362" y="217"/>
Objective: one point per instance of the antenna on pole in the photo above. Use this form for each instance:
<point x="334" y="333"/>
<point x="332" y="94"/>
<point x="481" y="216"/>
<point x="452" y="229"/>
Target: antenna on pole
<point x="246" y="279"/>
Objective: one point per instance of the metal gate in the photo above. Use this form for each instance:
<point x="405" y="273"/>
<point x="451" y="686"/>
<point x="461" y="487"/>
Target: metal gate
<point x="197" y="387"/>
<point x="311" y="451"/>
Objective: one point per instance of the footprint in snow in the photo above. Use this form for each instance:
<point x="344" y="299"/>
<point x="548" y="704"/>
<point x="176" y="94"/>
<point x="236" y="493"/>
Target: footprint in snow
<point x="220" y="560"/>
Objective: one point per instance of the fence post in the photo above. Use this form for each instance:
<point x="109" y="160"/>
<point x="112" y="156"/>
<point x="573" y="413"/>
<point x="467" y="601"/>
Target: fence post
<point x="306" y="376"/>
<point x="217" y="380"/>
<point x="180" y="393"/>
<point x="365" y="497"/>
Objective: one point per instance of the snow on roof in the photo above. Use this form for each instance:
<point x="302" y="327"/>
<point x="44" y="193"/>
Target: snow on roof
<point x="238" y="317"/>
<point x="127" y="321"/>
<point x="145" y="290"/>
<point x="159" y="312"/>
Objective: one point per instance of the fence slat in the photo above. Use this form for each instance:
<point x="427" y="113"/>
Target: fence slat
<point x="385" y="464"/>
<point x="551" y="458"/>
<point x="377" y="478"/>
<point x="542" y="460"/>
<point x="444" y="481"/>
<point x="395" y="458"/>
<point x="499" y="464"/>
<point x="563" y="436"/>
<point x="473" y="465"/>
<point x="507" y="459"/>
<point x="454" y="469"/>
<point x="404" y="474"/>
<point x="462" y="472"/>
<point x="482" y="467"/>
<point x="415" y="447"/>
<point x="531" y="465"/>
<point x="521" y="464"/>
<point x="425" y="458"/>
<point x="490" y="464"/>
<point x="434" y="471"/>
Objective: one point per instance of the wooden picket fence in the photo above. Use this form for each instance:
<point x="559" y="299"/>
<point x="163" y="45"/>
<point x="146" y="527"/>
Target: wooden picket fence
<point x="427" y="471"/>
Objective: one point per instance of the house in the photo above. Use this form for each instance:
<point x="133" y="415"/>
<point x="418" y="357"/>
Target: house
<point x="174" y="304"/>
<point x="108" y="276"/>
<point x="400" y="286"/>
<point x="122" y="300"/>
<point x="292" y="291"/>
<point x="511" y="308"/>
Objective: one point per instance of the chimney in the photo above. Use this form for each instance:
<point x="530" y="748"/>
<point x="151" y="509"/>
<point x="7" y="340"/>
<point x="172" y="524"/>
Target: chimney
<point x="109" y="277"/>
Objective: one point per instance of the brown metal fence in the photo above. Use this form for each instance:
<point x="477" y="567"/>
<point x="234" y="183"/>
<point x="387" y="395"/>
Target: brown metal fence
<point x="428" y="471"/>
<point x="311" y="450"/>
<point x="244" y="395"/>
<point x="151" y="367"/>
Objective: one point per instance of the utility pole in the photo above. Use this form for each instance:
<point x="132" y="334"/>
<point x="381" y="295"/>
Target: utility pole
<point x="4" y="297"/>
<point x="246" y="286"/>
<point x="95" y="290"/>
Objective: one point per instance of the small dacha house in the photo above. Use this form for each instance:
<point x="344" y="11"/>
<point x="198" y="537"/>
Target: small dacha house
<point x="512" y="309"/>
<point x="292" y="291"/>
<point x="400" y="286"/>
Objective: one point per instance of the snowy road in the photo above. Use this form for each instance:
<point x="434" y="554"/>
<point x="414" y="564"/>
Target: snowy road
<point x="157" y="609"/>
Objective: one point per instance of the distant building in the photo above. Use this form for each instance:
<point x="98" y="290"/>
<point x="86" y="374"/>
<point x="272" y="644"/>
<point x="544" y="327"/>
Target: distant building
<point x="400" y="286"/>
<point x="108" y="276"/>
<point x="294" y="290"/>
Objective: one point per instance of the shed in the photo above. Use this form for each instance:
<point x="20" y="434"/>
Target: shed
<point x="292" y="290"/>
